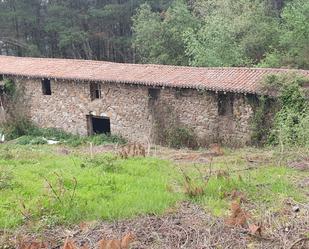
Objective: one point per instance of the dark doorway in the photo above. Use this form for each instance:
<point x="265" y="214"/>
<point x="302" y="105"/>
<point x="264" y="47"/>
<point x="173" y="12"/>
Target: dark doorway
<point x="46" y="87"/>
<point x="98" y="125"/>
<point x="225" y="104"/>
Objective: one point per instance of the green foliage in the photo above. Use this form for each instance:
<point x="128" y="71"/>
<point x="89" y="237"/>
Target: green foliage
<point x="224" y="33"/>
<point x="5" y="154"/>
<point x="281" y="120"/>
<point x="99" y="139"/>
<point x="28" y="133"/>
<point x="106" y="162"/>
<point x="32" y="140"/>
<point x="179" y="137"/>
<point x="158" y="38"/>
<point x="106" y="138"/>
<point x="9" y="87"/>
<point x="262" y="119"/>
<point x="199" y="33"/>
<point x="70" y="28"/>
<point x="233" y="33"/>
<point x="292" y="49"/>
<point x="146" y="26"/>
<point x="17" y="128"/>
<point x="291" y="124"/>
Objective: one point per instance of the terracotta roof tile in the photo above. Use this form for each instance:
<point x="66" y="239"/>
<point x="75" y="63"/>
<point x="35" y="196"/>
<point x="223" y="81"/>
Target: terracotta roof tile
<point x="244" y="80"/>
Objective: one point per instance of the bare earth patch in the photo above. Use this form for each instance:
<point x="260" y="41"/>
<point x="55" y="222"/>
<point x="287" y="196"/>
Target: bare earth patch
<point x="302" y="164"/>
<point x="189" y="226"/>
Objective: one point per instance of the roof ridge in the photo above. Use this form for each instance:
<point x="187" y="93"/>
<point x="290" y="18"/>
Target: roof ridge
<point x="230" y="79"/>
<point x="155" y="65"/>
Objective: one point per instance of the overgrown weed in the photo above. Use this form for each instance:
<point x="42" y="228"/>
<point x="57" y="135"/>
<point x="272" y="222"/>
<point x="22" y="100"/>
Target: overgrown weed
<point x="107" y="188"/>
<point x="282" y="120"/>
<point x="106" y="162"/>
<point x="6" y="178"/>
<point x="26" y="133"/>
<point x="264" y="184"/>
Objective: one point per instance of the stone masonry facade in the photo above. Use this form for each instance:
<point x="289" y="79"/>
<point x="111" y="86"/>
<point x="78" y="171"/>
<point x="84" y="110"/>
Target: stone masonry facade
<point x="134" y="112"/>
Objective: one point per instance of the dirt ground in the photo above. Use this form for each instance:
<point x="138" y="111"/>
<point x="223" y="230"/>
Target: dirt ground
<point x="187" y="226"/>
<point x="302" y="164"/>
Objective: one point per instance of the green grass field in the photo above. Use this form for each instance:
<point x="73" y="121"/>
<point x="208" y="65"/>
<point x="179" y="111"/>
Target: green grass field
<point x="41" y="187"/>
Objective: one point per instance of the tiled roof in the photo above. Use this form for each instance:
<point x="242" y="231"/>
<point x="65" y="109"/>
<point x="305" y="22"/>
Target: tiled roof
<point x="242" y="80"/>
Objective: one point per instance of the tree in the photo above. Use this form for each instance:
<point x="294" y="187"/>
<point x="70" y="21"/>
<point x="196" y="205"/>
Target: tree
<point x="293" y="46"/>
<point x="233" y="33"/>
<point x="147" y="32"/>
<point x="99" y="29"/>
<point x="159" y="37"/>
<point x="265" y="33"/>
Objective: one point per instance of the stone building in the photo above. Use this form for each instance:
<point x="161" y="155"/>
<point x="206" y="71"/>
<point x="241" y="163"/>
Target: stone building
<point x="136" y="101"/>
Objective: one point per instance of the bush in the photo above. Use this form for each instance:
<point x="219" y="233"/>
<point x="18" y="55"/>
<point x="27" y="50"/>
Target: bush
<point x="95" y="140"/>
<point x="262" y="120"/>
<point x="28" y="133"/>
<point x="291" y="125"/>
<point x="75" y="141"/>
<point x="290" y="129"/>
<point x="9" y="87"/>
<point x="181" y="137"/>
<point x="24" y="127"/>
<point x="24" y="140"/>
<point x="106" y="138"/>
<point x="17" y="128"/>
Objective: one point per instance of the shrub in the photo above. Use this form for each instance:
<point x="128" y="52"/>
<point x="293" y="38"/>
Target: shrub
<point x="15" y="128"/>
<point x="28" y="133"/>
<point x="9" y="87"/>
<point x="106" y="138"/>
<point x="32" y="140"/>
<point x="95" y="140"/>
<point x="6" y="154"/>
<point x="262" y="120"/>
<point x="75" y="141"/>
<point x="179" y="137"/>
<point x="291" y="125"/>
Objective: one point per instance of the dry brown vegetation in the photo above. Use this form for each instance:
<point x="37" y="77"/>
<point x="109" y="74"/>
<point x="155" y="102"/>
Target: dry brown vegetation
<point x="70" y="243"/>
<point x="132" y="150"/>
<point x="187" y="226"/>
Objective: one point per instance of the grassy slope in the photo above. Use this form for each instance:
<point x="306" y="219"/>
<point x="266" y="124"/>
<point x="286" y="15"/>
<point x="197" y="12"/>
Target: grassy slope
<point x="113" y="188"/>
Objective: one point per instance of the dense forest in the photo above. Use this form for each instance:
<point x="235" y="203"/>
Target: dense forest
<point x="264" y="33"/>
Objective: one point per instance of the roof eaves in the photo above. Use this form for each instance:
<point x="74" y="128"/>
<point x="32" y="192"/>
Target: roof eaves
<point x="146" y="83"/>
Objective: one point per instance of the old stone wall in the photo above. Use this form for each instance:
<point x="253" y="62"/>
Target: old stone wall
<point x="198" y="110"/>
<point x="235" y="129"/>
<point x="66" y="108"/>
<point x="133" y="114"/>
<point x="187" y="108"/>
